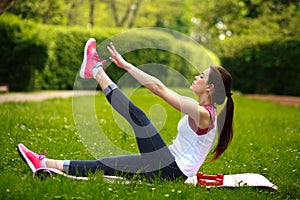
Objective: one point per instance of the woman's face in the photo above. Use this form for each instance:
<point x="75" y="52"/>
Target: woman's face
<point x="199" y="85"/>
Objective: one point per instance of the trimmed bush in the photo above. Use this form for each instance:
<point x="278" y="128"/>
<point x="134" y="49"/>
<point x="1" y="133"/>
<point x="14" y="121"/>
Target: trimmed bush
<point x="35" y="56"/>
<point x="270" y="67"/>
<point x="65" y="53"/>
<point x="49" y="57"/>
<point x="22" y="51"/>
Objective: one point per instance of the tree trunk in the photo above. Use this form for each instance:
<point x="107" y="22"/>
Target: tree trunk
<point x="129" y="15"/>
<point x="92" y="8"/>
<point x="134" y="13"/>
<point x="114" y="12"/>
<point x="5" y="4"/>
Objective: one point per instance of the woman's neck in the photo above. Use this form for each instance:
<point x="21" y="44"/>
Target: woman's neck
<point x="204" y="100"/>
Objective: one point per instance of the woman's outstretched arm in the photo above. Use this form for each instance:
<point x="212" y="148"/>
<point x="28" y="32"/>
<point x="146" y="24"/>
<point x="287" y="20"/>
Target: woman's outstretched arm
<point x="183" y="104"/>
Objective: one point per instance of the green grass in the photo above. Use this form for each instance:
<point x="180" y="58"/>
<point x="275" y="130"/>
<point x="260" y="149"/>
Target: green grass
<point x="266" y="141"/>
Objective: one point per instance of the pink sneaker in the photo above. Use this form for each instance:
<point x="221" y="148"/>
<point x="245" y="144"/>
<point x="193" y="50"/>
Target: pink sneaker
<point x="90" y="59"/>
<point x="33" y="160"/>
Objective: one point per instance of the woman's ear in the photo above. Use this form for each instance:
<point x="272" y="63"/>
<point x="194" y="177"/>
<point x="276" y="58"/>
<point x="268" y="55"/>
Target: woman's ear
<point x="210" y="87"/>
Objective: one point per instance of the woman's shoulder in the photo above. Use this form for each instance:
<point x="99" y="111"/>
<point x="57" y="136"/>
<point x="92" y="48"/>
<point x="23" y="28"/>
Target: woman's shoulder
<point x="212" y="111"/>
<point x="212" y="114"/>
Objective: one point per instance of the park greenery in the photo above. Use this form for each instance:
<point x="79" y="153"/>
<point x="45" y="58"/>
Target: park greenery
<point x="41" y="44"/>
<point x="256" y="40"/>
<point x="266" y="142"/>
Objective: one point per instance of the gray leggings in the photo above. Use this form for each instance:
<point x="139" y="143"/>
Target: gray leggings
<point x="155" y="158"/>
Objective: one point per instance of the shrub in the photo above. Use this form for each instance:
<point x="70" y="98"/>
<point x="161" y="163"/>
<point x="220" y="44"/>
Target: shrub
<point x="49" y="57"/>
<point x="22" y="51"/>
<point x="65" y="56"/>
<point x="263" y="65"/>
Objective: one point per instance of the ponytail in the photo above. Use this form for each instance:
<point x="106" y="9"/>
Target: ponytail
<point x="222" y="81"/>
<point x="225" y="127"/>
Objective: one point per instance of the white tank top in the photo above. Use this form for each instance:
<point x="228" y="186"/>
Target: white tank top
<point x="190" y="149"/>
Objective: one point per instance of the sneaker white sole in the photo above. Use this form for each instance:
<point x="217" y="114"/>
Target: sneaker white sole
<point x="25" y="159"/>
<point x="83" y="65"/>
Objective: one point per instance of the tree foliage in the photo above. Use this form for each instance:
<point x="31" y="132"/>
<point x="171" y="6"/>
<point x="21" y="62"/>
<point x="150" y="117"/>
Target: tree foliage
<point x="48" y="12"/>
<point x="227" y="27"/>
<point x="5" y="4"/>
<point x="110" y="13"/>
<point x="216" y="20"/>
<point x="220" y="19"/>
<point x="206" y="20"/>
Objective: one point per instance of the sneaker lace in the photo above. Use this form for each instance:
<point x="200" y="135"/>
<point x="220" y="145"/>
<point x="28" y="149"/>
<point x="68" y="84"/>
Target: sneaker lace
<point x="41" y="156"/>
<point x="96" y="57"/>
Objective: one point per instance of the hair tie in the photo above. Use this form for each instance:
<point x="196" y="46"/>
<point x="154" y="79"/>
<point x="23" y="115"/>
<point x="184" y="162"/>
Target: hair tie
<point x="230" y="94"/>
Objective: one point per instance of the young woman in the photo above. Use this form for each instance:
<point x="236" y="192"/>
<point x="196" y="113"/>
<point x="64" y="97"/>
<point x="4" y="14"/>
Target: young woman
<point x="196" y="130"/>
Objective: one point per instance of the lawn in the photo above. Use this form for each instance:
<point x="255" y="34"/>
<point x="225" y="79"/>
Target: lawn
<point x="266" y="141"/>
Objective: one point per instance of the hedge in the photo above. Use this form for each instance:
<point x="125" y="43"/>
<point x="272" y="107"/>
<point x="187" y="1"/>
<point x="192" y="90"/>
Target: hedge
<point x="22" y="52"/>
<point x="263" y="65"/>
<point x="37" y="56"/>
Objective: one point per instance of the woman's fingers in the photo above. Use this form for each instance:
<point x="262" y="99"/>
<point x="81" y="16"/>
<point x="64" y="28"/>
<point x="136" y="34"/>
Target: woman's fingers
<point x="113" y="48"/>
<point x="110" y="51"/>
<point x="112" y="59"/>
<point x="115" y="56"/>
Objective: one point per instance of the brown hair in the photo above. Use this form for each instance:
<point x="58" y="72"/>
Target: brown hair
<point x="222" y="81"/>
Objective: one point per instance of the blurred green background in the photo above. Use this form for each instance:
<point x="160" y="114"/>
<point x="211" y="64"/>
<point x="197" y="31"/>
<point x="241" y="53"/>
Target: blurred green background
<point x="41" y="41"/>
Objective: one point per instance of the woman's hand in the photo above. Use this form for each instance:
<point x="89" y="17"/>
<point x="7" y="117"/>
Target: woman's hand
<point x="117" y="58"/>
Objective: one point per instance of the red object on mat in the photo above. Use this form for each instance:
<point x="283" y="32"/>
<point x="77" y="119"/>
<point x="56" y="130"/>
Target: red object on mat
<point x="210" y="180"/>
